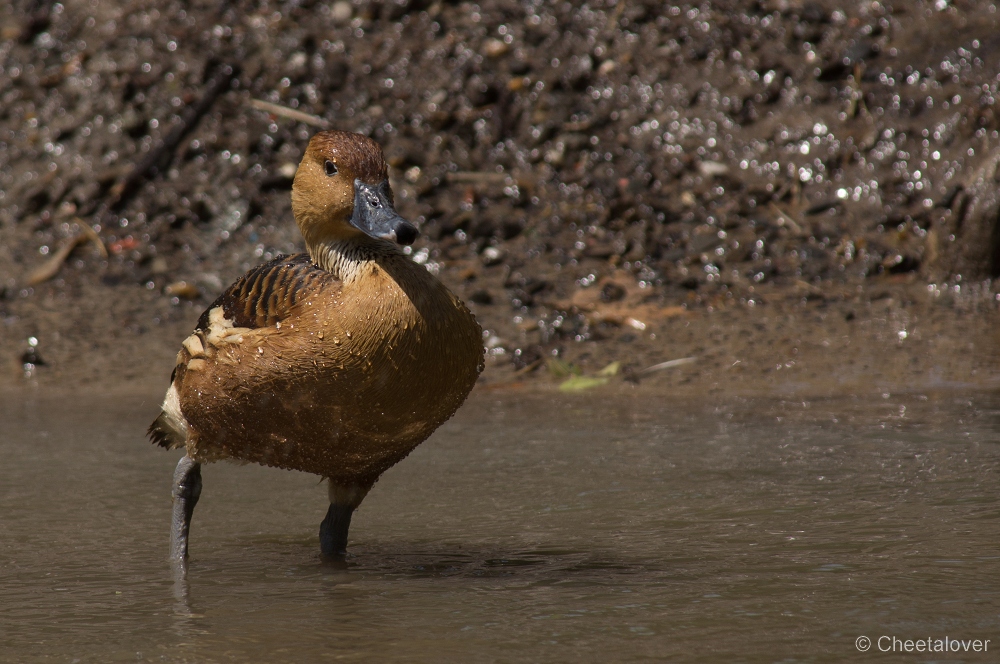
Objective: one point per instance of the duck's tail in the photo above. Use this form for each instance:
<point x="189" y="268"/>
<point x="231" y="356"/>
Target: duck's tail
<point x="161" y="433"/>
<point x="169" y="429"/>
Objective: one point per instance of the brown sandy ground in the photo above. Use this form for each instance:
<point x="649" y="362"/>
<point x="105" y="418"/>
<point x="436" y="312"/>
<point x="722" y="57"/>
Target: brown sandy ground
<point x="800" y="195"/>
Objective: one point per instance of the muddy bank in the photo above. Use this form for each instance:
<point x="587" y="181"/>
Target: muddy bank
<point x="902" y="339"/>
<point x="793" y="193"/>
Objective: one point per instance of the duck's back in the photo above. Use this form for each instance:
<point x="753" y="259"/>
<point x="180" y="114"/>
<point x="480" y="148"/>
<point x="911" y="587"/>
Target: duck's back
<point x="292" y="367"/>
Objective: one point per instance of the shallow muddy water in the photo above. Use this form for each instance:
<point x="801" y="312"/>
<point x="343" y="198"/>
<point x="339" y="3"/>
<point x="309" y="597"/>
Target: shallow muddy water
<point x="530" y="528"/>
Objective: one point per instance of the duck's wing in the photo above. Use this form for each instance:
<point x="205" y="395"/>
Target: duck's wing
<point x="266" y="294"/>
<point x="263" y="297"/>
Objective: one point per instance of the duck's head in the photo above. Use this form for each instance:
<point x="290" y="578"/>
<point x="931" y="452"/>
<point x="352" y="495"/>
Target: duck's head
<point x="341" y="192"/>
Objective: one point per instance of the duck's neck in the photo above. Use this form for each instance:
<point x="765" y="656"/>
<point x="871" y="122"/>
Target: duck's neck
<point x="344" y="258"/>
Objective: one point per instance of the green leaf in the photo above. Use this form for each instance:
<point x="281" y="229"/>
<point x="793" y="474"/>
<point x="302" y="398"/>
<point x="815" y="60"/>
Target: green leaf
<point x="561" y="369"/>
<point x="610" y="370"/>
<point x="580" y="383"/>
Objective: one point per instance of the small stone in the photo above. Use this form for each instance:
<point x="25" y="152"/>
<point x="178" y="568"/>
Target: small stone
<point x="297" y="61"/>
<point x="341" y="11"/>
<point x="712" y="168"/>
<point x="494" y="48"/>
<point x="518" y="83"/>
<point x="32" y="356"/>
<point x="492" y="256"/>
<point x="612" y="292"/>
<point x="481" y="296"/>
<point x="556" y="155"/>
<point x="183" y="290"/>
<point x="159" y="265"/>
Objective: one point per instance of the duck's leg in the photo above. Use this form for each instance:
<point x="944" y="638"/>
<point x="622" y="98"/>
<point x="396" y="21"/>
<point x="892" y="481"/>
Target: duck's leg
<point x="186" y="491"/>
<point x="333" y="531"/>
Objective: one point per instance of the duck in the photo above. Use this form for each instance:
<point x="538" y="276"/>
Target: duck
<point x="338" y="361"/>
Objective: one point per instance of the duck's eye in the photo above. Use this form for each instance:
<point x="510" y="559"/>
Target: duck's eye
<point x="330" y="168"/>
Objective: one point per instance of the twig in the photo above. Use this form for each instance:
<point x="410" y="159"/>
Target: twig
<point x="290" y="113"/>
<point x="615" y="16"/>
<point x="857" y="100"/>
<point x="668" y="365"/>
<point x="51" y="267"/>
<point x="785" y="220"/>
<point x="528" y="368"/>
<point x="582" y="125"/>
<point x="89" y="231"/>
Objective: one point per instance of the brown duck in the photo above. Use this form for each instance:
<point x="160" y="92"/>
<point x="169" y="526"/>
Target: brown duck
<point x="337" y="362"/>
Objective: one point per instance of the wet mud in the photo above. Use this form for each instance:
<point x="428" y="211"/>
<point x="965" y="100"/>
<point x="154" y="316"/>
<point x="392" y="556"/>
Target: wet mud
<point x="797" y="194"/>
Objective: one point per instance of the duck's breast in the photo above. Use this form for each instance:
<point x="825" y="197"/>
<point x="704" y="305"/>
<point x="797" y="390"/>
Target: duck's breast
<point x="344" y="381"/>
<point x="424" y="346"/>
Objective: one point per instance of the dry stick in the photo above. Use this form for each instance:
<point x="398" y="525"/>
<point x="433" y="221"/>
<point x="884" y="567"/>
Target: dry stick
<point x="785" y="220"/>
<point x="616" y="16"/>
<point x="127" y="185"/>
<point x="94" y="237"/>
<point x="528" y="368"/>
<point x="857" y="102"/>
<point x="290" y="113"/>
<point x="669" y="364"/>
<point x="51" y="267"/>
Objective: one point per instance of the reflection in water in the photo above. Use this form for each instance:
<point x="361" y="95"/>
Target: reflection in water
<point x="183" y="617"/>
<point x="535" y="528"/>
<point x="182" y="591"/>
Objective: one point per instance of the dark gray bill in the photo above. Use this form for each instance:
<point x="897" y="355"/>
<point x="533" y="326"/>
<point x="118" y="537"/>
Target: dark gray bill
<point x="374" y="214"/>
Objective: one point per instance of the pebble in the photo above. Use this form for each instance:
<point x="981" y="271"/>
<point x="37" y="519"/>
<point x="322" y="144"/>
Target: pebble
<point x="492" y="256"/>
